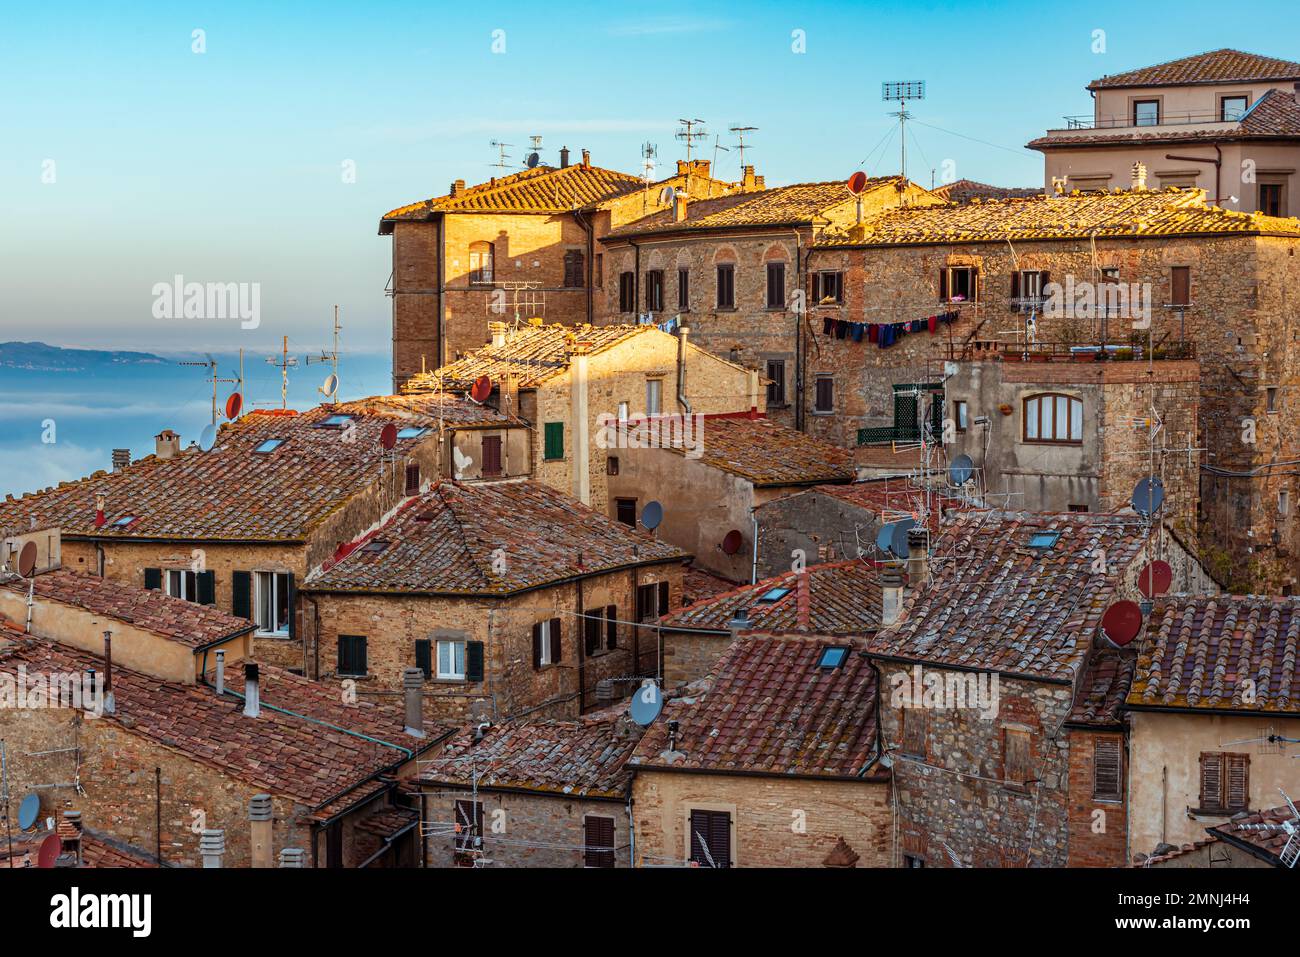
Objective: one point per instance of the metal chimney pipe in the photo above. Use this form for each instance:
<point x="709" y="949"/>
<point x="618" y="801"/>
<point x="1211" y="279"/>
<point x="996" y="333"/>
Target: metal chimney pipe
<point x="110" y="706"/>
<point x="212" y="845"/>
<point x="413" y="685"/>
<point x="221" y="672"/>
<point x="252" y="702"/>
<point x="259" y="817"/>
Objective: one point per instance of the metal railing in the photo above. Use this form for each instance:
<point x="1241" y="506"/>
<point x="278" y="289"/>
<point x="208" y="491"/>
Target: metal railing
<point x="1068" y="351"/>
<point x="1128" y="121"/>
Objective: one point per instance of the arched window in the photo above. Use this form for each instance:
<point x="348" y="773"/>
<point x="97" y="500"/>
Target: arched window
<point x="481" y="255"/>
<point x="1050" y="417"/>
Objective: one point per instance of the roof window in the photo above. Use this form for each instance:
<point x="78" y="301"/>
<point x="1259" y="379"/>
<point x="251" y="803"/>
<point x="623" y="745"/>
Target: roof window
<point x="832" y="657"/>
<point x="1043" y="540"/>
<point x="773" y="595"/>
<point x="270" y="445"/>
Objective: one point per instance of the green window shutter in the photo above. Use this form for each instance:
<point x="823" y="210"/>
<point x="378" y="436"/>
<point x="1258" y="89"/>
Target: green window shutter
<point x="473" y="661"/>
<point x="293" y="610"/>
<point x="207" y="591"/>
<point x="241" y="601"/>
<point x="424" y="656"/>
<point x="554" y="440"/>
<point x="153" y="578"/>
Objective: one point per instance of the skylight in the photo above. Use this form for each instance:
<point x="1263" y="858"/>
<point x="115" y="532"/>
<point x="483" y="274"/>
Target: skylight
<point x="375" y="545"/>
<point x="336" y="421"/>
<point x="270" y="445"/>
<point x="1043" y="539"/>
<point x="411" y="432"/>
<point x="125" y="520"/>
<point x="831" y="658"/>
<point x="774" y="595"/>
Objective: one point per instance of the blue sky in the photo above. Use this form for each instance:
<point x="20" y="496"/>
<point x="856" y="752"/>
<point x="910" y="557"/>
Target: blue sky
<point x="226" y="166"/>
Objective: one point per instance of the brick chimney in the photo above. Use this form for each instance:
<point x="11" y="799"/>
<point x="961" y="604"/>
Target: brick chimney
<point x="259" y="829"/>
<point x="679" y="207"/>
<point x="564" y="157"/>
<point x="498" y="332"/>
<point x="918" y="556"/>
<point x="121" y="459"/>
<point x="586" y="159"/>
<point x="748" y="180"/>
<point x="1139" y="175"/>
<point x="891" y="594"/>
<point x="457" y="188"/>
<point x="413" y="686"/>
<point x="167" y="444"/>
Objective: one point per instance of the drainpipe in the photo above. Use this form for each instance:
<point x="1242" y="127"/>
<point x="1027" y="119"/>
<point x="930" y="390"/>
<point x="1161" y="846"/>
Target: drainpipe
<point x="753" y="572"/>
<point x="636" y="278"/>
<point x="581" y="439"/>
<point x="1218" y="168"/>
<point x="442" y="289"/>
<point x="682" y="333"/>
<point x="590" y="230"/>
<point x="798" y="335"/>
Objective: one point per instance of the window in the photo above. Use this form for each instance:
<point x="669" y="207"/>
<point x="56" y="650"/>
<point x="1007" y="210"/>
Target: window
<point x="626" y="292"/>
<point x="684" y="290"/>
<point x="413" y="478"/>
<point x="710" y="838"/>
<point x="573" y="261"/>
<point x="182" y="584"/>
<point x="1225" y="782"/>
<point x="1110" y="274"/>
<point x="481" y="256"/>
<point x="491" y="456"/>
<point x="1283" y="502"/>
<point x="598" y="840"/>
<point x="828" y="287"/>
<point x="825" y="395"/>
<point x="1054" y="418"/>
<point x="1180" y="282"/>
<point x="271" y="601"/>
<point x="727" y="286"/>
<point x="958" y="284"/>
<point x="625" y="511"/>
<point x="1107" y="763"/>
<point x="451" y="660"/>
<point x="547" y="649"/>
<point x="911" y="860"/>
<point x="336" y="421"/>
<point x="1146" y="112"/>
<point x="959" y="414"/>
<point x="411" y="432"/>
<point x="352" y="655"/>
<point x="1270" y="395"/>
<point x="124" y="521"/>
<point x="654" y="389"/>
<point x="1015" y="757"/>
<point x="593" y="631"/>
<point x="469" y="825"/>
<point x="554" y="446"/>
<point x="776" y="388"/>
<point x="1043" y="540"/>
<point x="1232" y="108"/>
<point x="1270" y="199"/>
<point x="914" y="731"/>
<point x="773" y="595"/>
<point x="654" y="290"/>
<point x="1078" y="508"/>
<point x="270" y="445"/>
<point x="611" y="465"/>
<point x="832" y="658"/>
<point x="1027" y="287"/>
<point x="651" y="601"/>
<point x="776" y="285"/>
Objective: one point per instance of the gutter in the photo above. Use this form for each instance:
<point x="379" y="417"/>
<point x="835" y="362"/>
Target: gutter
<point x="735" y="773"/>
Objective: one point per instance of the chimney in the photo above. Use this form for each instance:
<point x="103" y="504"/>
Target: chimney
<point x="741" y="622"/>
<point x="252" y="702"/>
<point x="69" y="830"/>
<point x="679" y="207"/>
<point x="748" y="180"/>
<point x="457" y="188"/>
<point x="167" y="444"/>
<point x="99" y="510"/>
<point x="918" y="556"/>
<point x="121" y="459"/>
<point x="293" y="857"/>
<point x="212" y="845"/>
<point x="564" y="157"/>
<point x="221" y="671"/>
<point x="891" y="594"/>
<point x="259" y="829"/>
<point x="586" y="159"/>
<point x="1139" y="175"/>
<point x="110" y="705"/>
<point x="1297" y="93"/>
<point x="413" y="685"/>
<point x="498" y="332"/>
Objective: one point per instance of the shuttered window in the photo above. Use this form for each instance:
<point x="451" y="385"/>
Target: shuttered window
<point x="776" y="285"/>
<point x="1225" y="782"/>
<point x="424" y="656"/>
<point x="352" y="655"/>
<point x="413" y="478"/>
<point x="646" y="603"/>
<point x="554" y="441"/>
<point x="663" y="598"/>
<point x="546" y="643"/>
<point x="481" y="256"/>
<point x="491" y="455"/>
<point x="825" y="397"/>
<point x="593" y="624"/>
<point x="573" y="269"/>
<point x="776" y="388"/>
<point x="710" y="838"/>
<point x="611" y="626"/>
<point x="1015" y="757"/>
<point x="914" y="731"/>
<point x="726" y="286"/>
<point x="207" y="586"/>
<point x="598" y="838"/>
<point x="241" y="599"/>
<point x="683" y="290"/>
<point x="1107" y="769"/>
<point x="654" y="290"/>
<point x="1180" y="279"/>
<point x="626" y="292"/>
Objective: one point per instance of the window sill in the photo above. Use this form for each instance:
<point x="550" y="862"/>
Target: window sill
<point x="820" y="412"/>
<point x="445" y="680"/>
<point x="282" y="635"/>
<point x="725" y="309"/>
<point x="1064" y="444"/>
<point x="360" y="677"/>
<point x="1212" y="811"/>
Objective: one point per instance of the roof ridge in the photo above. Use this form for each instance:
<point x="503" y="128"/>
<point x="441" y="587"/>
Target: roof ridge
<point x="466" y="534"/>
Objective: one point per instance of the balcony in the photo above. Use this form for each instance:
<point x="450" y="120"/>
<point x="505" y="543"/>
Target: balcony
<point x="1173" y="118"/>
<point x="1069" y="351"/>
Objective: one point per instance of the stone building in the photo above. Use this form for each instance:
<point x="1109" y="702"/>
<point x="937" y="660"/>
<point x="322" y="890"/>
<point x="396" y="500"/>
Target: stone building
<point x="516" y="247"/>
<point x="771" y="762"/>
<point x="572" y="384"/>
<point x="510" y="597"/>
<point x="1225" y="121"/>
<point x="1028" y="275"/>
<point x="736" y="269"/>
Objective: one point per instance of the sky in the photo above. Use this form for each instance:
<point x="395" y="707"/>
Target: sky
<point x="264" y="149"/>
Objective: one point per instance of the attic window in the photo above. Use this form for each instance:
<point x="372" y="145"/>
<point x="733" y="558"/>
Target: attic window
<point x="336" y="422"/>
<point x="270" y="445"/>
<point x="832" y="658"/>
<point x="1043" y="540"/>
<point x="774" y="595"/>
<point x="375" y="545"/>
<point x="412" y="432"/>
<point x="124" y="521"/>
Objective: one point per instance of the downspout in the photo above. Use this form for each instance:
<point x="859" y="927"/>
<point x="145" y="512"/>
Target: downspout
<point x="582" y="646"/>
<point x="753" y="572"/>
<point x="591" y="258"/>
<point x="636" y="278"/>
<point x="631" y="827"/>
<point x="798" y="334"/>
<point x="682" y="333"/>
<point x="442" y="289"/>
<point x="1218" y="168"/>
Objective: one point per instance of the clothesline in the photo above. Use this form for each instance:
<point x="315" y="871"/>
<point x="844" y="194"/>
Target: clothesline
<point x="884" y="334"/>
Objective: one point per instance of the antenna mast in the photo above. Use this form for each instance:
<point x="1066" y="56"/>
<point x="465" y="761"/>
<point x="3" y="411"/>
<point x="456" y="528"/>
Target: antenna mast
<point x="689" y="134"/>
<point x="284" y="364"/>
<point x="331" y="357"/>
<point x="211" y="365"/>
<point x="902" y="91"/>
<point x="502" y="155"/>
<point x="740" y="132"/>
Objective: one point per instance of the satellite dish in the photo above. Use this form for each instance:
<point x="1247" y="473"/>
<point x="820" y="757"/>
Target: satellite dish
<point x="50" y="850"/>
<point x="388" y="437"/>
<point x="667" y="195"/>
<point x="1148" y="496"/>
<point x="233" y="405"/>
<point x="481" y="389"/>
<point x="898" y="540"/>
<point x="885" y="536"/>
<point x="27" y="560"/>
<point x="652" y="515"/>
<point x="732" y="541"/>
<point x="330" y="385"/>
<point x="208" y="437"/>
<point x="533" y="160"/>
<point x="28" y="811"/>
<point x="647" y="703"/>
<point x="1121" y="622"/>
<point x="960" y="470"/>
<point x="1155" y="578"/>
<point x="857" y="182"/>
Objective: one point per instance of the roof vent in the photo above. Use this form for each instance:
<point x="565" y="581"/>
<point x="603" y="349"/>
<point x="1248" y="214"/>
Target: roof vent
<point x="121" y="459"/>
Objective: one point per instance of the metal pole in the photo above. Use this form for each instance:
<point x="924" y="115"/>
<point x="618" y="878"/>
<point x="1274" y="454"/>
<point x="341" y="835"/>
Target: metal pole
<point x="4" y="786"/>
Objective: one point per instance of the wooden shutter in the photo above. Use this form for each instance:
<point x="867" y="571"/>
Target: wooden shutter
<point x="153" y="578"/>
<point x="424" y="656"/>
<point x="1181" y="282"/>
<point x="191" y="586"/>
<point x="1015" y="756"/>
<point x="1015" y="290"/>
<point x="1211" y="780"/>
<point x="207" y="588"/>
<point x="352" y="654"/>
<point x="412" y="478"/>
<point x="473" y="661"/>
<point x="663" y="598"/>
<point x="537" y="646"/>
<point x="711" y="838"/>
<point x="598" y="838"/>
<point x="554" y="440"/>
<point x="491" y="455"/>
<point x="1106" y="769"/>
<point x="1238" y="781"/>
<point x="292" y="606"/>
<point x="611" y="626"/>
<point x="591" y="633"/>
<point x="943" y="284"/>
<point x="241" y="594"/>
<point x="974" y="285"/>
<point x="556" y="647"/>
<point x="914" y="731"/>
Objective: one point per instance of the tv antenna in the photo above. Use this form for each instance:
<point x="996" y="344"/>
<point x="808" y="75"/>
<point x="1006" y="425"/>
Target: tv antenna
<point x="1291" y="852"/>
<point x="717" y="145"/>
<point x="740" y="132"/>
<point x="534" y="152"/>
<point x="284" y="364"/>
<point x="649" y="152"/>
<point x="502" y="155"/>
<point x="331" y="357"/>
<point x="691" y="131"/>
<point x="211" y="365"/>
<point x="900" y="91"/>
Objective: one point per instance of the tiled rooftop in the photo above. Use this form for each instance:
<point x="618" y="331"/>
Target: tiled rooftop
<point x="996" y="603"/>
<point x="766" y="454"/>
<point x="443" y="543"/>
<point x="1266" y="843"/>
<point x="964" y="190"/>
<point x="842" y="598"/>
<point x="172" y="618"/>
<point x="1216" y="66"/>
<point x="890" y="499"/>
<point x="1099" y="699"/>
<point x="700" y="583"/>
<point x="1121" y="214"/>
<point x="1200" y="652"/>
<point x="585" y="757"/>
<point x="770" y="709"/>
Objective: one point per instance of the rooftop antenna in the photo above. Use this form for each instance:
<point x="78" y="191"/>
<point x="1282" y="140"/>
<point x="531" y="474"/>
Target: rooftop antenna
<point x="284" y="364"/>
<point x="691" y="131"/>
<point x="740" y="132"/>
<point x="534" y="152"/>
<point x="1291" y="852"/>
<point x="717" y="145"/>
<point x="211" y="365"/>
<point x="901" y="91"/>
<point x="649" y="152"/>
<point x="331" y="357"/>
<point x="502" y="155"/>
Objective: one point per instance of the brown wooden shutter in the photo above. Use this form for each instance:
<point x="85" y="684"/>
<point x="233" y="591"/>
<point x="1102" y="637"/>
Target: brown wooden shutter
<point x="537" y="646"/>
<point x="611" y="626"/>
<point x="1015" y="290"/>
<point x="974" y="285"/>
<point x="914" y="731"/>
<point x="1015" y="756"/>
<point x="943" y="285"/>
<point x="1106" y="769"/>
<point x="1181" y="282"/>
<point x="663" y="598"/>
<point x="1238" y="781"/>
<point x="1211" y="779"/>
<point x="491" y="455"/>
<point x="598" y="837"/>
<point x="711" y="838"/>
<point x="241" y="598"/>
<point x="556" y="647"/>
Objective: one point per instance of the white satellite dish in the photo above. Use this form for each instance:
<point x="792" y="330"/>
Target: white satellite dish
<point x="667" y="195"/>
<point x="208" y="438"/>
<point x="330" y="385"/>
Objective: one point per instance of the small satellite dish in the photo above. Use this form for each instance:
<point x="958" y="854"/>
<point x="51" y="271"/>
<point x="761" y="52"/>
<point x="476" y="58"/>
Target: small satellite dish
<point x="388" y="437"/>
<point x="898" y="540"/>
<point x="330" y="385"/>
<point x="27" y="560"/>
<point x="732" y="541"/>
<point x="1148" y="496"/>
<point x="533" y="160"/>
<point x="1155" y="578"/>
<point x="667" y="195"/>
<point x="233" y="405"/>
<point x="647" y="703"/>
<point x="28" y="811"/>
<point x="1121" y="622"/>
<point x="960" y="470"/>
<point x="885" y="536"/>
<point x="481" y="389"/>
<point x="208" y="437"/>
<point x="857" y="183"/>
<point x="652" y="515"/>
<point x="50" y="850"/>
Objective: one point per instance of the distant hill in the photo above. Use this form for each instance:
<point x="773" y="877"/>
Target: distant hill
<point x="40" y="357"/>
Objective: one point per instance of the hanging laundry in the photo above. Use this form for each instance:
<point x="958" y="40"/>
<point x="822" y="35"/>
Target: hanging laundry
<point x="873" y="332"/>
<point x="857" y="332"/>
<point x="932" y="322"/>
<point x="827" y="324"/>
<point x="841" y="328"/>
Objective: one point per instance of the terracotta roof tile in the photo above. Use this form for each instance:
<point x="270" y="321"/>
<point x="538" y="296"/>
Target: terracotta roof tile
<point x="1199" y="652"/>
<point x="766" y="454"/>
<point x="1216" y="66"/>
<point x="964" y="190"/>
<point x="1261" y="831"/>
<point x="1099" y="699"/>
<point x="891" y="499"/>
<point x="699" y="584"/>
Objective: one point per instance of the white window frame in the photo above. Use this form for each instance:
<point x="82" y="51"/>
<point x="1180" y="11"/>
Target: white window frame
<point x="456" y="650"/>
<point x="277" y="580"/>
<point x="544" y="658"/>
<point x="177" y="591"/>
<point x="654" y="388"/>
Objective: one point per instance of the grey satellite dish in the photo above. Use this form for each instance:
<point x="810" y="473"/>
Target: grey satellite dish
<point x="330" y="385"/>
<point x="1148" y="496"/>
<point x="28" y="811"/>
<point x="667" y="195"/>
<point x="208" y="437"/>
<point x="652" y="515"/>
<point x="647" y="702"/>
<point x="885" y="536"/>
<point x="533" y="160"/>
<point x="898" y="540"/>
<point x="960" y="470"/>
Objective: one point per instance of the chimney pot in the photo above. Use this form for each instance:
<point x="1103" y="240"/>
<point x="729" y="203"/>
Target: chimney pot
<point x="586" y="158"/>
<point x="498" y="332"/>
<point x="212" y="845"/>
<point x="679" y="207"/>
<point x="292" y="857"/>
<point x="918" y="556"/>
<point x="413" y="685"/>
<point x="260" y="811"/>
<point x="121" y="459"/>
<point x="252" y="700"/>
<point x="110" y="705"/>
<point x="564" y="157"/>
<point x="221" y="671"/>
<point x="167" y="444"/>
<point x="748" y="180"/>
<point x="891" y="594"/>
<point x="1139" y="175"/>
<point x="457" y="187"/>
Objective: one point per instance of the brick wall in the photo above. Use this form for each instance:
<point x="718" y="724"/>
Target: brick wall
<point x="1098" y="830"/>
